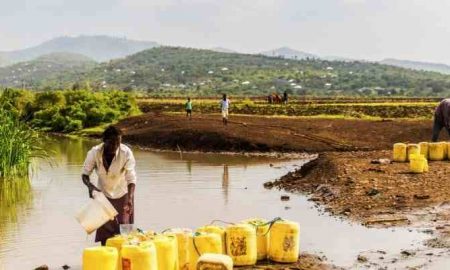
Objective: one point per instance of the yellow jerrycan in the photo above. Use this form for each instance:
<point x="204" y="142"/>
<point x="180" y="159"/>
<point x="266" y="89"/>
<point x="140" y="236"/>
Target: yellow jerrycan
<point x="201" y="243"/>
<point x="436" y="151"/>
<point x="139" y="257"/>
<point x="284" y="241"/>
<point x="262" y="236"/>
<point x="412" y="149"/>
<point x="182" y="236"/>
<point x="399" y="152"/>
<point x="167" y="251"/>
<point x="117" y="242"/>
<point x="209" y="261"/>
<point x="241" y="244"/>
<point x="217" y="230"/>
<point x="424" y="149"/>
<point x="444" y="145"/>
<point x="96" y="258"/>
<point x="418" y="164"/>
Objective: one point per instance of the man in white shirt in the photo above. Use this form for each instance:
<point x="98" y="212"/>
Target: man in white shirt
<point x="224" y="106"/>
<point x="115" y="166"/>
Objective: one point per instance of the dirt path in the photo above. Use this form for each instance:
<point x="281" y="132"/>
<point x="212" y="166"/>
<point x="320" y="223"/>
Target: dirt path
<point x="257" y="133"/>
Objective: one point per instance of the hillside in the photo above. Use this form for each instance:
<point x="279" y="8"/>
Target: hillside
<point x="288" y="53"/>
<point x="99" y="48"/>
<point x="44" y="70"/>
<point x="170" y="70"/>
<point x="436" y="67"/>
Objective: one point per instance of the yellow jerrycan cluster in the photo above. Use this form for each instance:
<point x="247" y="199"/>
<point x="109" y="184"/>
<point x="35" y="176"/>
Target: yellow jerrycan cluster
<point x="182" y="236"/>
<point x="436" y="151"/>
<point x="284" y="244"/>
<point x="139" y="257"/>
<point x="167" y="251"/>
<point x="262" y="236"/>
<point x="412" y="149"/>
<point x="418" y="164"/>
<point x="200" y="243"/>
<point x="95" y="258"/>
<point x="399" y="152"/>
<point x="424" y="149"/>
<point x="217" y="230"/>
<point x="209" y="261"/>
<point x="241" y="244"/>
<point x="117" y="242"/>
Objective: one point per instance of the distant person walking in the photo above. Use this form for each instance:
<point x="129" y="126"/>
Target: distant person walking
<point x="188" y="107"/>
<point x="441" y="118"/>
<point x="224" y="106"/>
<point x="285" y="97"/>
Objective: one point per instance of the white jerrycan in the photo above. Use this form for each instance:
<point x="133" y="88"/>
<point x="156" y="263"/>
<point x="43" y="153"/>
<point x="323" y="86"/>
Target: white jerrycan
<point x="96" y="213"/>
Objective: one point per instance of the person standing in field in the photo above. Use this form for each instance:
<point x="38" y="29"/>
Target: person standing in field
<point x="188" y="107"/>
<point x="224" y="106"/>
<point x="441" y="118"/>
<point x="285" y="97"/>
<point x="114" y="165"/>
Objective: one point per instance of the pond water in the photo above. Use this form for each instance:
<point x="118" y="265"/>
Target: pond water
<point x="174" y="191"/>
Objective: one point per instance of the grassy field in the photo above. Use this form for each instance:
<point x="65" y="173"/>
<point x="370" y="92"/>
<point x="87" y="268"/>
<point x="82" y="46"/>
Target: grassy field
<point x="357" y="108"/>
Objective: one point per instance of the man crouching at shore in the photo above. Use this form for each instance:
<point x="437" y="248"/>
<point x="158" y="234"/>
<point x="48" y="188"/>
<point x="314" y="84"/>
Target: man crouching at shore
<point x="115" y="167"/>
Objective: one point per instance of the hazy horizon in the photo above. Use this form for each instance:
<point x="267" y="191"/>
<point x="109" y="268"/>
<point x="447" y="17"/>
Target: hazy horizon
<point x="360" y="29"/>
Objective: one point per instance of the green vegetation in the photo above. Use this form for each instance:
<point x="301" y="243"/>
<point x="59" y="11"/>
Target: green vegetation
<point x="172" y="71"/>
<point x="45" y="71"/>
<point x="67" y="111"/>
<point x="405" y="109"/>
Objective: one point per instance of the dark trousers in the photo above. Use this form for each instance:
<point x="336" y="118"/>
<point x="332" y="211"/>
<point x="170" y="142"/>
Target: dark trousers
<point x="112" y="227"/>
<point x="437" y="126"/>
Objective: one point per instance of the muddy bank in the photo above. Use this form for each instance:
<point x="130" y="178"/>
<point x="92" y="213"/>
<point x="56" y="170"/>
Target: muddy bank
<point x="259" y="133"/>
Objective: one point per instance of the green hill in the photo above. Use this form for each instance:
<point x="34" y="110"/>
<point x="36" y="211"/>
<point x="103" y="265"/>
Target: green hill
<point x="45" y="70"/>
<point x="185" y="71"/>
<point x="171" y="70"/>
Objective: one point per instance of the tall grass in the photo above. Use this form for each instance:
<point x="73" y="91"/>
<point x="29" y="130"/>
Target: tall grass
<point x="18" y="145"/>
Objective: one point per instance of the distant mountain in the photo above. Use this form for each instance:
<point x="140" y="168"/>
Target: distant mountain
<point x="99" y="48"/>
<point x="288" y="53"/>
<point x="222" y="50"/>
<point x="44" y="69"/>
<point x="426" y="66"/>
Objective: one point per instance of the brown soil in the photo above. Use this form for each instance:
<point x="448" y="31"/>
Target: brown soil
<point x="257" y="133"/>
<point x="305" y="262"/>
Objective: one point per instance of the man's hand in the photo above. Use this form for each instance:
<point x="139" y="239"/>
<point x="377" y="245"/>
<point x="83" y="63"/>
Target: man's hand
<point x="90" y="186"/>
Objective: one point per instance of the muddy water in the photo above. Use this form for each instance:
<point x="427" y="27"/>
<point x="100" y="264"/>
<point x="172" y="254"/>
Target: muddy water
<point x="175" y="191"/>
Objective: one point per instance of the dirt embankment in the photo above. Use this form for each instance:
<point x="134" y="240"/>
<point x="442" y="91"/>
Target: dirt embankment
<point x="257" y="133"/>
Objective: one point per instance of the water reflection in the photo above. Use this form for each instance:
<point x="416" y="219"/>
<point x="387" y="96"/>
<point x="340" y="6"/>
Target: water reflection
<point x="225" y="183"/>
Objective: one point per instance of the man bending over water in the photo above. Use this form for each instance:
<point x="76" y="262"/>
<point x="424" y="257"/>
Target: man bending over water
<point x="114" y="165"/>
<point x="441" y="118"/>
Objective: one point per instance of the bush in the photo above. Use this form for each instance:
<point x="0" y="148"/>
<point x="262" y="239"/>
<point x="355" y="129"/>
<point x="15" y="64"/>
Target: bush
<point x="67" y="111"/>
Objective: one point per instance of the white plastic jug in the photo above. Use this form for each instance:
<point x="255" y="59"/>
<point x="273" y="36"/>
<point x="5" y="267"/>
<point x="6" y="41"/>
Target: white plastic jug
<point x="96" y="213"/>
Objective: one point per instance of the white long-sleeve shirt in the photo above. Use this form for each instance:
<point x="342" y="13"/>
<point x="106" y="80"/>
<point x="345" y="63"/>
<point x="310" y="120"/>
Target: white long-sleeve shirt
<point x="114" y="182"/>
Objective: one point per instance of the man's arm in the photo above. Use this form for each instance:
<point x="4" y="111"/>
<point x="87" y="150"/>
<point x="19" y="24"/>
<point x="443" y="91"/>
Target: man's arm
<point x="88" y="167"/>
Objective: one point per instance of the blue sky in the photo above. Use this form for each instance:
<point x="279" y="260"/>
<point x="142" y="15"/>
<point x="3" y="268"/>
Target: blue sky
<point x="366" y="29"/>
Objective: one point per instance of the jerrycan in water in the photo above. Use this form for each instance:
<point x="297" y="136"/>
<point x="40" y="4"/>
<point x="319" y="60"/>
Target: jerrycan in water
<point x="241" y="244"/>
<point x="436" y="151"/>
<point x="200" y="243"/>
<point x="399" y="152"/>
<point x="96" y="213"/>
<point x="209" y="261"/>
<point x="139" y="257"/>
<point x="117" y="242"/>
<point x="96" y="258"/>
<point x="262" y="236"/>
<point x="182" y="236"/>
<point x="284" y="242"/>
<point x="217" y="230"/>
<point x="166" y="251"/>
